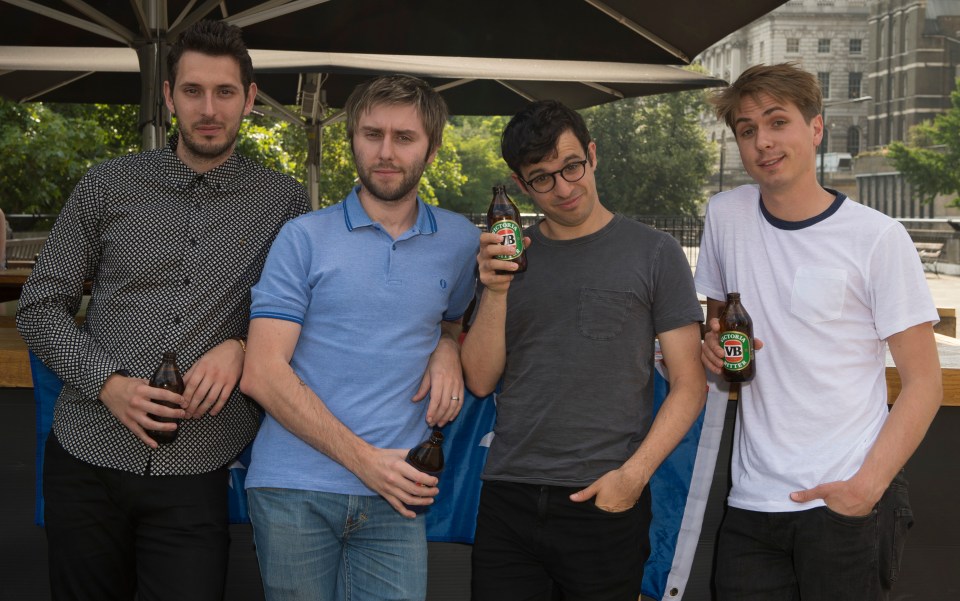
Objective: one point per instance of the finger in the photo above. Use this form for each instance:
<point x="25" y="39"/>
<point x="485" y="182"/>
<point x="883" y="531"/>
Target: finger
<point x="424" y="388"/>
<point x="200" y="395"/>
<point x="582" y="495"/>
<point x="209" y="400"/>
<point x="222" y="399"/>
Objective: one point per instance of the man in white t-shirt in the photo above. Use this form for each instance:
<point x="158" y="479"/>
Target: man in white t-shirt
<point x="818" y="508"/>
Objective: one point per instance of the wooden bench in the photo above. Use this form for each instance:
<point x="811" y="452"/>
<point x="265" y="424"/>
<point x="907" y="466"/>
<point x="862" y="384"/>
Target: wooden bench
<point x="930" y="254"/>
<point x="22" y="252"/>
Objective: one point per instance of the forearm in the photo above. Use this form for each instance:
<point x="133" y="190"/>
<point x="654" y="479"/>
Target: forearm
<point x="282" y="394"/>
<point x="909" y="419"/>
<point x="484" y="352"/>
<point x="679" y="410"/>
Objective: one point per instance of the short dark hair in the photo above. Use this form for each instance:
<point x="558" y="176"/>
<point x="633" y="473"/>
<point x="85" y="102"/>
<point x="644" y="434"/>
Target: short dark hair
<point x="399" y="89"/>
<point x="532" y="133"/>
<point x="213" y="38"/>
<point x="784" y="82"/>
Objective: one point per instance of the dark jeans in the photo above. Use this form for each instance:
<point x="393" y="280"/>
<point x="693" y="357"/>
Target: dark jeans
<point x="814" y="555"/>
<point x="534" y="543"/>
<point x="111" y="534"/>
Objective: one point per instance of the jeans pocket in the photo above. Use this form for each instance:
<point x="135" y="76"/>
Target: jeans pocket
<point x="602" y="312"/>
<point x="896" y="519"/>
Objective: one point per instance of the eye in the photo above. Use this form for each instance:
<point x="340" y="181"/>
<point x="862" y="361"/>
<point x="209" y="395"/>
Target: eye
<point x="745" y="132"/>
<point x="540" y="180"/>
<point x="572" y="168"/>
<point x="780" y="122"/>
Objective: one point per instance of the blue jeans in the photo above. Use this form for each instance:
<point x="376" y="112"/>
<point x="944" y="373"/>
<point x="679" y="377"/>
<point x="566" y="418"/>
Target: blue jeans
<point x="321" y="546"/>
<point x="813" y="555"/>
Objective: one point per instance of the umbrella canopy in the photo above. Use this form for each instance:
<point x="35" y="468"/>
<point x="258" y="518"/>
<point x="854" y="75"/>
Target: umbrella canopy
<point x="489" y="58"/>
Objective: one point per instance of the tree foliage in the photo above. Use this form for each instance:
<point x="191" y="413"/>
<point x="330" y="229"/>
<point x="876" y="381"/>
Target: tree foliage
<point x="652" y="154"/>
<point x="931" y="160"/>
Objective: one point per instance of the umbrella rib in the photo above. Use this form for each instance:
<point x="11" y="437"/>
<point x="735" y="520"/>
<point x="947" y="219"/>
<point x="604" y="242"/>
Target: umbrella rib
<point x="185" y="19"/>
<point x="636" y="28"/>
<point x="65" y="82"/>
<point x="515" y="90"/>
<point x="452" y="84"/>
<point x="269" y="11"/>
<point x="278" y="107"/>
<point x="102" y="19"/>
<point x="604" y="89"/>
<point x="68" y="19"/>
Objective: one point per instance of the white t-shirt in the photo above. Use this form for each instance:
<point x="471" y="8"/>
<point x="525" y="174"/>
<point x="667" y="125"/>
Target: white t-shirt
<point x="824" y="295"/>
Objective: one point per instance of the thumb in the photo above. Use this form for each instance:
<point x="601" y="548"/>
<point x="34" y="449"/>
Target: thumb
<point x="584" y="495"/>
<point x="804" y="496"/>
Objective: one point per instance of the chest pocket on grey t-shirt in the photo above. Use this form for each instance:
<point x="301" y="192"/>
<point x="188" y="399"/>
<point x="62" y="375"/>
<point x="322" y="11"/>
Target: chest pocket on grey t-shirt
<point x="602" y="313"/>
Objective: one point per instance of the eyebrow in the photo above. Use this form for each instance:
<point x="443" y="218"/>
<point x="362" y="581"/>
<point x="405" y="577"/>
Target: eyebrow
<point x="772" y="109"/>
<point x="570" y="158"/>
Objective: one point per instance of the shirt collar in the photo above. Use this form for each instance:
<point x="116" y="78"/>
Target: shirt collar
<point x="182" y="176"/>
<point x="355" y="216"/>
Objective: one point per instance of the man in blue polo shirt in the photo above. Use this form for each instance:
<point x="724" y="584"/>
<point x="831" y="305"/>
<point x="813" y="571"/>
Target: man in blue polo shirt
<point x="354" y="320"/>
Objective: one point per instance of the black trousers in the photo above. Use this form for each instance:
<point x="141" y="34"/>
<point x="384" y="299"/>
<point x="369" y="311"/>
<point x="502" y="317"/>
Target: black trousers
<point x="113" y="534"/>
<point x="534" y="544"/>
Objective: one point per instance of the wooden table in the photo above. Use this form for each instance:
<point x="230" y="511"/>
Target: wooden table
<point x="11" y="282"/>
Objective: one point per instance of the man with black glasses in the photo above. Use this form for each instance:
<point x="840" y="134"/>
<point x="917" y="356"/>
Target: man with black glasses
<point x="565" y="505"/>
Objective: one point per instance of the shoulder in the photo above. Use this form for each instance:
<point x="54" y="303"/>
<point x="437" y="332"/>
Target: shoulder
<point x="732" y="200"/>
<point x="275" y="180"/>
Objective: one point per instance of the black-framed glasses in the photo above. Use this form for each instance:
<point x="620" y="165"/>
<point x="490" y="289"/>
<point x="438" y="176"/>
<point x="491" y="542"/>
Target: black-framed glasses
<point x="571" y="172"/>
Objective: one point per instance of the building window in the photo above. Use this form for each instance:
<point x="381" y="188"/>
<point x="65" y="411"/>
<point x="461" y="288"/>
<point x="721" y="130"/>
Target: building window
<point x="856" y="46"/>
<point x="750" y="54"/>
<point x="824" y="78"/>
<point x="793" y="45"/>
<point x="760" y="58"/>
<point x="853" y="141"/>
<point x="855" y="78"/>
<point x="823" y="45"/>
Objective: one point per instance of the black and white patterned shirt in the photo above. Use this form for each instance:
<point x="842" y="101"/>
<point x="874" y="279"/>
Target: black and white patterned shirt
<point x="172" y="255"/>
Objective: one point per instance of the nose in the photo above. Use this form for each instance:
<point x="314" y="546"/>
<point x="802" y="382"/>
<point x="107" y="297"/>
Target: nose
<point x="208" y="105"/>
<point x="762" y="139"/>
<point x="561" y="187"/>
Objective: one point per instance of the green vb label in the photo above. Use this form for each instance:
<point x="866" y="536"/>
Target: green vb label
<point x="736" y="350"/>
<point x="512" y="236"/>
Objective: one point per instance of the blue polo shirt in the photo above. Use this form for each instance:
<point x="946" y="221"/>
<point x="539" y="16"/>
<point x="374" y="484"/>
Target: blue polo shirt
<point x="370" y="309"/>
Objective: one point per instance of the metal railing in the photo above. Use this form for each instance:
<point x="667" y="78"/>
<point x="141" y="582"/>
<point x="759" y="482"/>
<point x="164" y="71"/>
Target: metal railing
<point x="687" y="230"/>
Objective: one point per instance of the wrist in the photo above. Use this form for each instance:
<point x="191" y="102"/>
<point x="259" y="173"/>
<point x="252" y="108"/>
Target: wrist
<point x="242" y="342"/>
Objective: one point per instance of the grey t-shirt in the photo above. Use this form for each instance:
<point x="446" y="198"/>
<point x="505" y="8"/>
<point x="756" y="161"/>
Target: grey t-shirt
<point x="577" y="396"/>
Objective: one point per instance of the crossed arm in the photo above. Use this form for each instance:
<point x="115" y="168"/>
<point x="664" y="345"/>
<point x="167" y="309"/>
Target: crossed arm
<point x="269" y="378"/>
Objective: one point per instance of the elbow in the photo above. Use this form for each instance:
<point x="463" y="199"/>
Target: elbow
<point x="477" y="388"/>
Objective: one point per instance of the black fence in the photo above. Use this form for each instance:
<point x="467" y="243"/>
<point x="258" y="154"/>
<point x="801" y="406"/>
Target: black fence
<point x="687" y="230"/>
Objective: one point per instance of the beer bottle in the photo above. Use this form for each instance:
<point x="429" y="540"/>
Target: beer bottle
<point x="736" y="339"/>
<point x="428" y="458"/>
<point x="503" y="219"/>
<point x="167" y="377"/>
<point x="428" y="455"/>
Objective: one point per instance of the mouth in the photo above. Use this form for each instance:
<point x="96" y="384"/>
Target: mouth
<point x="568" y="204"/>
<point x="208" y="129"/>
<point x="770" y="163"/>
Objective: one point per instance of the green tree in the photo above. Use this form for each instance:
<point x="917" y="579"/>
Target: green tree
<point x="477" y="140"/>
<point x="652" y="154"/>
<point x="931" y="160"/>
<point x="43" y="154"/>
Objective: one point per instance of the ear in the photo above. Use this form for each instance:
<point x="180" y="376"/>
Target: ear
<point x="817" y="123"/>
<point x="251" y="99"/>
<point x="592" y="153"/>
<point x="519" y="182"/>
<point x="168" y="97"/>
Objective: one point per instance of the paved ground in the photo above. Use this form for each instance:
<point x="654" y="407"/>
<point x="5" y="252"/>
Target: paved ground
<point x="945" y="290"/>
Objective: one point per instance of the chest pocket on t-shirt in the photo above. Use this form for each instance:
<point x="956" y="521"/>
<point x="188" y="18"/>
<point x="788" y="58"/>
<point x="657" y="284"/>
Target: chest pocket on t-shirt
<point x="818" y="293"/>
<point x="602" y="312"/>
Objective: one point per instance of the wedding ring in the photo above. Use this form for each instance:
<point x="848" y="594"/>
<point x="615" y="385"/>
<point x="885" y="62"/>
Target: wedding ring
<point x="454" y="398"/>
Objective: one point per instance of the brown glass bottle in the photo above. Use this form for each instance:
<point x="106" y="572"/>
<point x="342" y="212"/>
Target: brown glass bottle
<point x="736" y="339"/>
<point x="503" y="219"/>
<point x="428" y="455"/>
<point x="167" y="377"/>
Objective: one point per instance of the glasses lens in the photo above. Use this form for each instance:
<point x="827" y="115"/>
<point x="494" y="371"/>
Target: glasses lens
<point x="573" y="172"/>
<point x="542" y="183"/>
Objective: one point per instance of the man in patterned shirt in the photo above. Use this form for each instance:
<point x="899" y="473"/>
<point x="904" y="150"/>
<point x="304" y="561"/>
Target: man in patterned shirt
<point x="172" y="240"/>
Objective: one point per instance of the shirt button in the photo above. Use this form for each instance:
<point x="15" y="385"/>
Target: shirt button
<point x="394" y="247"/>
<point x="186" y="281"/>
<point x="177" y="320"/>
<point x="193" y="242"/>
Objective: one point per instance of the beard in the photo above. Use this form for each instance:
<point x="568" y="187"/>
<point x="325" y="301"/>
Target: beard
<point x="208" y="150"/>
<point x="410" y="180"/>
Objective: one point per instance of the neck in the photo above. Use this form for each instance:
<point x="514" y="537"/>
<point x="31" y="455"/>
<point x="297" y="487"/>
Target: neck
<point x="597" y="220"/>
<point x="396" y="216"/>
<point x="201" y="164"/>
<point x="797" y="203"/>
